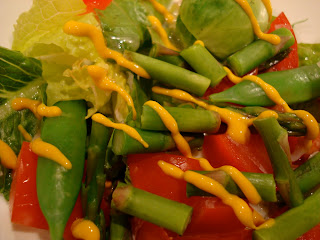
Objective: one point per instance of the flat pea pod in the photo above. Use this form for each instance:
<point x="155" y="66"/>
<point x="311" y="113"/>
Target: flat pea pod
<point x="294" y="85"/>
<point x="57" y="187"/>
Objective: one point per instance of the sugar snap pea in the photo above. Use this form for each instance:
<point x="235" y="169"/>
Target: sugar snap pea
<point x="57" y="187"/>
<point x="294" y="85"/>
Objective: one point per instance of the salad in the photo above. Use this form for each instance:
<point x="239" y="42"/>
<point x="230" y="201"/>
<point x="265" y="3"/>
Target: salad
<point x="127" y="119"/>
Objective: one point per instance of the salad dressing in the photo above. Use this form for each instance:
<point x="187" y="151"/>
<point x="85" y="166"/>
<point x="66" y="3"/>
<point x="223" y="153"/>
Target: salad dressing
<point x="163" y="10"/>
<point x="26" y="103"/>
<point x="24" y="133"/>
<point x="239" y="206"/>
<point x="310" y="122"/>
<point x="99" y="76"/>
<point x="272" y="38"/>
<point x="157" y="26"/>
<point x="267" y="4"/>
<point x="47" y="150"/>
<point x="85" y="229"/>
<point x="38" y="108"/>
<point x="99" y="118"/>
<point x="87" y="30"/>
<point x="172" y="126"/>
<point x="7" y="156"/>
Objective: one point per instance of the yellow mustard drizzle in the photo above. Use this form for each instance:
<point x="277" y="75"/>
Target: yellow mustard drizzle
<point x="163" y="10"/>
<point x="46" y="111"/>
<point x="199" y="42"/>
<point x="244" y="184"/>
<point x="99" y="76"/>
<point x="85" y="229"/>
<point x="307" y="118"/>
<point x="87" y="30"/>
<point x="39" y="109"/>
<point x="237" y="123"/>
<point x="47" y="150"/>
<point x="157" y="26"/>
<point x="267" y="4"/>
<point x="7" y="156"/>
<point x="172" y="126"/>
<point x="272" y="38"/>
<point x="26" y="103"/>
<point x="239" y="206"/>
<point x="24" y="133"/>
<point x="99" y="118"/>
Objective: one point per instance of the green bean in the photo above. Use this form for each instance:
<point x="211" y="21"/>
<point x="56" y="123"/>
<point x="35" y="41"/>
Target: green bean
<point x="57" y="187"/>
<point x="294" y="85"/>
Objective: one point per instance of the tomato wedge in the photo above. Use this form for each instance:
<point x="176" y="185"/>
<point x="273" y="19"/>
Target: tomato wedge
<point x="252" y="156"/>
<point x="23" y="201"/>
<point x="292" y="60"/>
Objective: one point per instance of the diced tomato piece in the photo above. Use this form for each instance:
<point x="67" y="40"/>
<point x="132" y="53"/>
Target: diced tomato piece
<point x="252" y="156"/>
<point x="24" y="204"/>
<point x="211" y="218"/>
<point x="292" y="60"/>
<point x="147" y="175"/>
<point x="96" y="4"/>
<point x="313" y="234"/>
<point x="223" y="85"/>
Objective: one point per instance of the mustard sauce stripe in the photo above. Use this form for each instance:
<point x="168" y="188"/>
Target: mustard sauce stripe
<point x="163" y="10"/>
<point x="272" y="38"/>
<point x="99" y="118"/>
<point x="85" y="229"/>
<point x="157" y="26"/>
<point x="239" y="206"/>
<point x="307" y="118"/>
<point x="24" y="133"/>
<point x="87" y="30"/>
<point x="172" y="126"/>
<point x="99" y="76"/>
<point x="47" y="150"/>
<point x="267" y="4"/>
<point x="7" y="156"/>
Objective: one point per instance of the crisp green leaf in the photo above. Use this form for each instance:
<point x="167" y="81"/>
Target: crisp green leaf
<point x="308" y="54"/>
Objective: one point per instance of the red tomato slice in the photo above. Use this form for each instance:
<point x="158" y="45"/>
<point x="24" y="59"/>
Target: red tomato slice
<point x="220" y="150"/>
<point x="292" y="60"/>
<point x="313" y="234"/>
<point x="211" y="218"/>
<point x="24" y="205"/>
<point x="96" y="4"/>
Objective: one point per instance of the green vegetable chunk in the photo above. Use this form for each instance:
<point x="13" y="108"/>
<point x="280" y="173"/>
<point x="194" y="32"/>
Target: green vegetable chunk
<point x="222" y="25"/>
<point x="294" y="86"/>
<point x="57" y="187"/>
<point x="293" y="223"/>
<point x="161" y="211"/>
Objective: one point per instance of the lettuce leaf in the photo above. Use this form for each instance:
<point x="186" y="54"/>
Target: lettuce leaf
<point x="20" y="76"/>
<point x="63" y="56"/>
<point x="308" y="53"/>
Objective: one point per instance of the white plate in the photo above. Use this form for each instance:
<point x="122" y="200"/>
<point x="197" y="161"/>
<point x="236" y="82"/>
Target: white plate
<point x="296" y="11"/>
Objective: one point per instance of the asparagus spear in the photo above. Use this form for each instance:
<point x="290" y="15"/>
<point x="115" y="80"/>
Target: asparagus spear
<point x="258" y="52"/>
<point x="264" y="183"/>
<point x="202" y="61"/>
<point x="92" y="190"/>
<point x="123" y="144"/>
<point x="171" y="74"/>
<point x="161" y="211"/>
<point x="293" y="223"/>
<point x="276" y="140"/>
<point x="188" y="119"/>
<point x="119" y="226"/>
<point x="308" y="174"/>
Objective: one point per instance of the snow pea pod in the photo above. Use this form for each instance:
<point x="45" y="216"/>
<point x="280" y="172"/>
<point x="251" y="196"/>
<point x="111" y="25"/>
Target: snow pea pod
<point x="294" y="85"/>
<point x="57" y="187"/>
